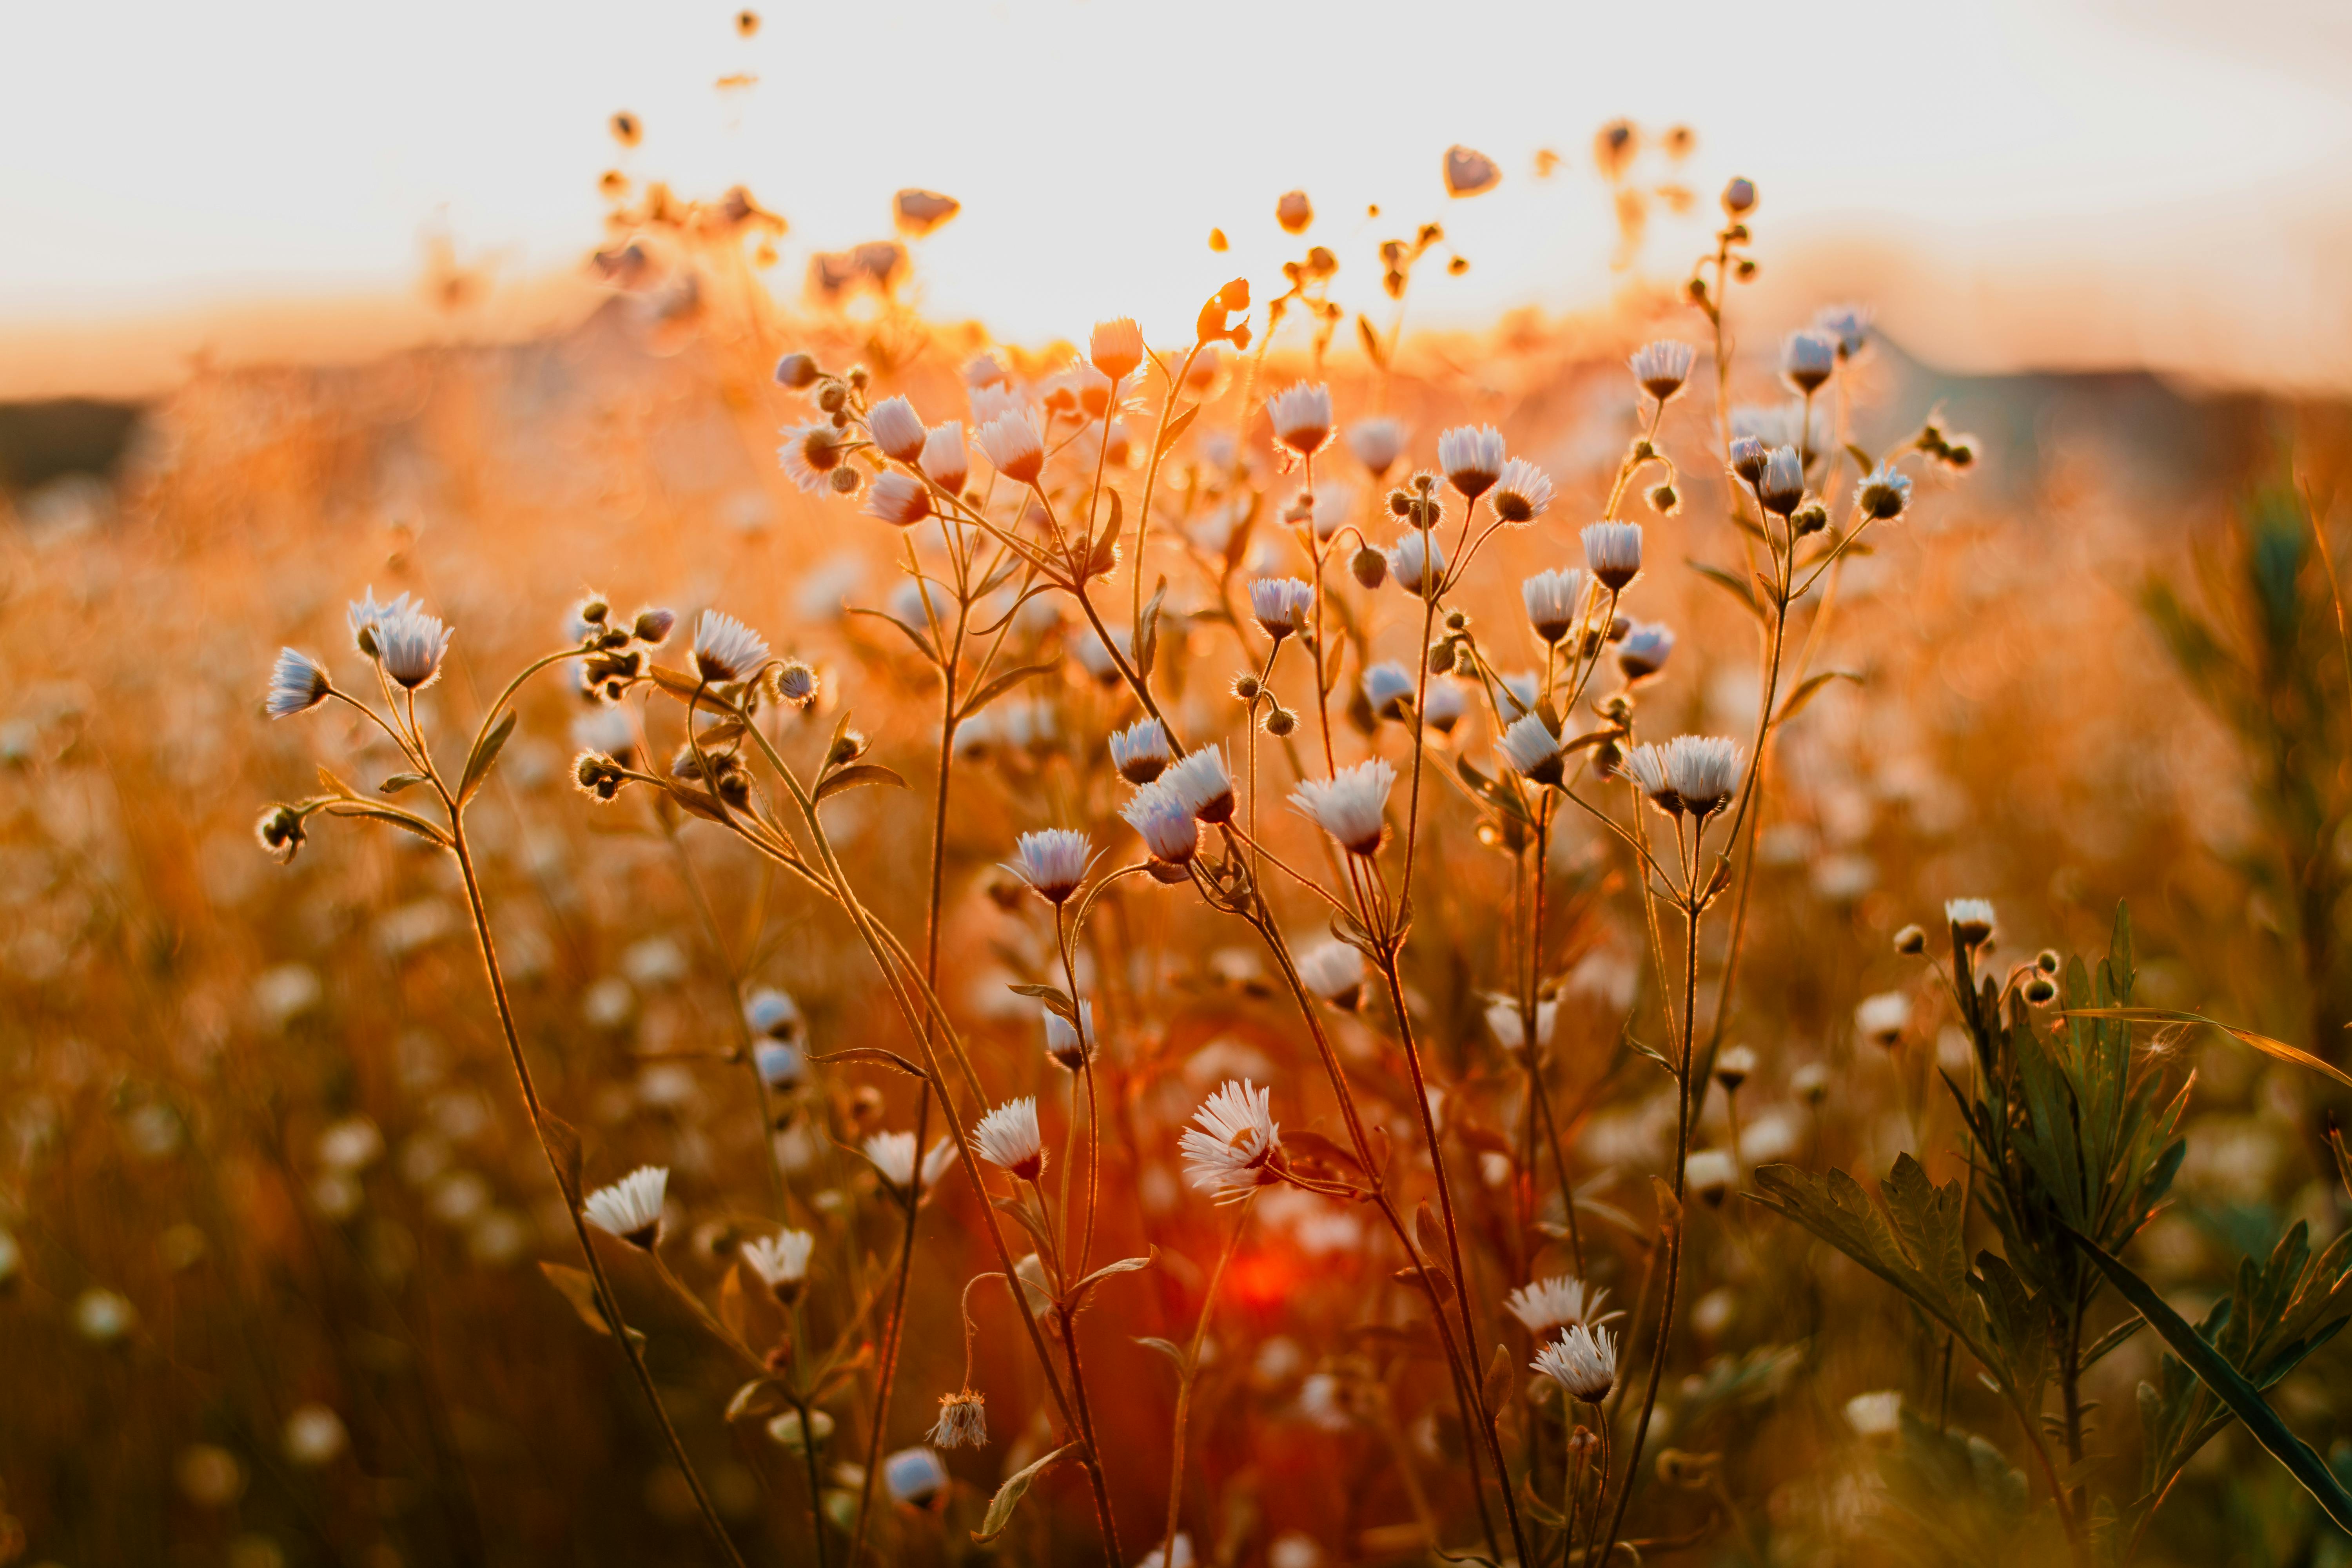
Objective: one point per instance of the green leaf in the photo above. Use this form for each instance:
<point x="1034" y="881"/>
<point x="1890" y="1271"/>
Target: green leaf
<point x="850" y="778"/>
<point x="2214" y="1370"/>
<point x="1806" y="690"/>
<point x="1008" y="1496"/>
<point x="484" y="753"/>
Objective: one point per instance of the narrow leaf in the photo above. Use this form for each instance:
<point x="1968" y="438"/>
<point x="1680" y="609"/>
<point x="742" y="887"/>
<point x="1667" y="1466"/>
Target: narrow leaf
<point x="852" y="777"/>
<point x="1497" y="1388"/>
<point x="581" y="1290"/>
<point x="1808" y="688"/>
<point x="2263" y="1043"/>
<point x="564" y="1141"/>
<point x="1176" y="429"/>
<point x="1371" y="341"/>
<point x="1008" y="1496"/>
<point x="399" y="782"/>
<point x="1001" y="685"/>
<point x="484" y="753"/>
<point x="875" y="1055"/>
<point x="1171" y="1350"/>
<point x="1427" y="1231"/>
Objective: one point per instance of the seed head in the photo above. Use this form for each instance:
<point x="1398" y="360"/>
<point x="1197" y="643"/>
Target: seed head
<point x="281" y="832"/>
<point x="1883" y="495"/>
<point x="963" y="1420"/>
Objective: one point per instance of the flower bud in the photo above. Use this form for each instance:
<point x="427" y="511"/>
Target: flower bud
<point x="797" y="370"/>
<point x="1811" y="518"/>
<point x="653" y="626"/>
<point x="1911" y="940"/>
<point x="1280" y="721"/>
<point x="1371" y="567"/>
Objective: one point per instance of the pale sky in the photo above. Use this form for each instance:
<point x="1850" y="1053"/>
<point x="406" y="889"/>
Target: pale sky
<point x="165" y="159"/>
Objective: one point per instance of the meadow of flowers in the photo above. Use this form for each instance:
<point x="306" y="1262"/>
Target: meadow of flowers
<point x="1608" y="941"/>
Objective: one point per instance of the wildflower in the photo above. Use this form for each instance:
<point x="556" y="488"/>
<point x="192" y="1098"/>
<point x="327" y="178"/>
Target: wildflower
<point x="1116" y="346"/>
<point x="1015" y="445"/>
<point x="101" y="1317"/>
<point x="1810" y="1082"/>
<point x="314" y="1436"/>
<point x="898" y="429"/>
<point x="365" y="614"/>
<point x="1444" y="705"/>
<point x="281" y="832"/>
<point x="1647" y="765"/>
<point x="652" y="626"/>
<point x="1532" y="750"/>
<point x="1073" y="1047"/>
<point x="1302" y="417"/>
<point x="1970" y="920"/>
<point x="914" y="1476"/>
<point x="1739" y="197"/>
<point x="796" y="683"/>
<point x="1522" y="492"/>
<point x="1239" y="1146"/>
<point x="798" y="371"/>
<point x="1883" y="495"/>
<point x="1807" y="360"/>
<point x="1911" y="940"/>
<point x="298" y="683"/>
<point x="410" y="644"/>
<point x="1472" y="459"/>
<point x="1335" y="971"/>
<point x="1095" y="656"/>
<point x="1517" y="696"/>
<point x="1848" y="326"/>
<point x="893" y="1155"/>
<point x="1328" y="511"/>
<point x="1282" y="605"/>
<point x="1562" y="1301"/>
<point x="1709" y="1173"/>
<point x="1644" y="650"/>
<point x="630" y="1208"/>
<point x="1554" y="600"/>
<point x="900" y="499"/>
<point x="1876" y="1415"/>
<point x="1613" y="551"/>
<point x="1007" y="1137"/>
<point x="1204" y="784"/>
<point x="1052" y="862"/>
<point x="1702" y="770"/>
<point x="1510" y="1028"/>
<point x="1881" y="1019"/>
<point x="1734" y="1066"/>
<point x="1377" y="444"/>
<point x="727" y="649"/>
<point x="1159" y="814"/>
<point x="1140" y="752"/>
<point x="1660" y="368"/>
<point x="943" y="460"/>
<point x="1388" y="687"/>
<point x="781" y="1064"/>
<point x="772" y="1013"/>
<point x="1782" y="485"/>
<point x="782" y="1262"/>
<point x="1294" y="212"/>
<point x="1351" y="806"/>
<point x="810" y="454"/>
<point x="1582" y="1362"/>
<point x="963" y="1418"/>
<point x="1414" y="552"/>
<point x="1749" y="458"/>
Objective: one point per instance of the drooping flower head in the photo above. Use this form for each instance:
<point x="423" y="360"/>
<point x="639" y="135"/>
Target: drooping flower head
<point x="1582" y="1362"/>
<point x="630" y="1208"/>
<point x="1238" y="1144"/>
<point x="944" y="461"/>
<point x="1282" y="605"/>
<point x="298" y="683"/>
<point x="1007" y="1137"/>
<point x="1562" y="1301"/>
<point x="781" y="1262"/>
<point x="1613" y="552"/>
<point x="1052" y="862"/>
<point x="810" y="454"/>
<point x="1204" y="784"/>
<point x="1159" y="813"/>
<point x="1377" y="444"/>
<point x="898" y="429"/>
<point x="1660" y="368"/>
<point x="963" y="1418"/>
<point x="1071" y="1047"/>
<point x="1140" y="750"/>
<point x="1471" y="456"/>
<point x="1522" y="492"/>
<point x="1301" y="414"/>
<point x="1555" y="602"/>
<point x="1807" y="360"/>
<point x="726" y="649"/>
<point x="1116" y="346"/>
<point x="1015" y="445"/>
<point x="1351" y="805"/>
<point x="411" y="645"/>
<point x="899" y="500"/>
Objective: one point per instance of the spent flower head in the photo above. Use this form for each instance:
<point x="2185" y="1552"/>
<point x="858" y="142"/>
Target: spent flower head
<point x="963" y="1417"/>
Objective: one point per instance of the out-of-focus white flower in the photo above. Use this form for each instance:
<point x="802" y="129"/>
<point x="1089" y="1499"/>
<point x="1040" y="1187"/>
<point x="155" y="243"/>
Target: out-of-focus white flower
<point x="630" y="1208"/>
<point x="964" y="1421"/>
<point x="1204" y="784"/>
<point x="1472" y="457"/>
<point x="1377" y="444"/>
<point x="1517" y="693"/>
<point x="1335" y="971"/>
<point x="1177" y="1553"/>
<point x="1444" y="705"/>
<point x="1581" y="1360"/>
<point x="1159" y="814"/>
<point x="1008" y="1137"/>
<point x="1302" y="417"/>
<point x="1052" y="862"/>
<point x="943" y="459"/>
<point x="1116" y="346"/>
<point x="781" y="1262"/>
<point x="1881" y="1019"/>
<point x="992" y="402"/>
<point x="1503" y="1019"/>
<point x="1561" y="1301"/>
<point x="365" y="613"/>
<point x="1282" y="605"/>
<point x="1555" y="602"/>
<point x="1238" y="1144"/>
<point x="914" y="1476"/>
<point x="352" y="1144"/>
<point x="1613" y="552"/>
<point x="900" y="499"/>
<point x="1141" y="751"/>
<point x="1388" y="687"/>
<point x="1065" y="1044"/>
<point x="1660" y="368"/>
<point x="810" y="453"/>
<point x="1848" y="326"/>
<point x="1807" y="360"/>
<point x="410" y="644"/>
<point x="1709" y="1173"/>
<point x="298" y="683"/>
<point x="1330" y="509"/>
<point x="1782" y="486"/>
<point x="1876" y="1415"/>
<point x="314" y="1436"/>
<point x="1351" y="805"/>
<point x="1522" y="493"/>
<point x="1734" y="1066"/>
<point x="101" y="1317"/>
<point x="772" y="1013"/>
<point x="1015" y="445"/>
<point x="893" y="1155"/>
<point x="1971" y="920"/>
<point x="1531" y="749"/>
<point x="898" y="429"/>
<point x="1095" y="657"/>
<point x="1293" y="1549"/>
<point x="727" y="649"/>
<point x="1412" y="552"/>
<point x="1644" y="650"/>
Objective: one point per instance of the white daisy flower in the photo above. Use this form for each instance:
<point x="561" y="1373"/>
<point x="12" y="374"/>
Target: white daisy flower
<point x="1472" y="457"/>
<point x="1562" y="1301"/>
<point x="1582" y="1362"/>
<point x="1351" y="805"/>
<point x="1007" y="1137"/>
<point x="772" y="1013"/>
<point x="1782" y="486"/>
<point x="1159" y="814"/>
<point x="630" y="1208"/>
<point x="365" y="613"/>
<point x="781" y="1064"/>
<point x="1444" y="705"/>
<point x="994" y="401"/>
<point x="1532" y="750"/>
<point x="893" y="1155"/>
<point x="1710" y="1173"/>
<point x="1377" y="444"/>
<point x="810" y="453"/>
<point x="1063" y="1043"/>
<point x="898" y="429"/>
<point x="1239" y="1145"/>
<point x="944" y="461"/>
<point x="1332" y="506"/>
<point x="1093" y="656"/>
<point x="1971" y="919"/>
<point x="1702" y="770"/>
<point x="1613" y="552"/>
<point x="899" y="500"/>
<point x="1876" y="1414"/>
<point x="1052" y="862"/>
<point x="411" y="645"/>
<point x="1282" y="605"/>
<point x="1015" y="445"/>
<point x="1203" y="781"/>
<point x="1413" y="551"/>
<point x="1334" y="972"/>
<point x="1302" y="417"/>
<point x="1518" y="694"/>
<point x="1116" y="346"/>
<point x="727" y="649"/>
<point x="1881" y="1019"/>
<point x="1555" y="602"/>
<point x="1503" y="1020"/>
<point x="1141" y="751"/>
<point x="298" y="683"/>
<point x="1644" y="649"/>
<point x="1660" y="368"/>
<point x="1807" y="360"/>
<point x="1522" y="493"/>
<point x="781" y="1262"/>
<point x="1387" y="687"/>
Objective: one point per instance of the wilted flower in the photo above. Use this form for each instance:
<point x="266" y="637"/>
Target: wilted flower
<point x="914" y="1476"/>
<point x="1159" y="814"/>
<point x="1052" y="862"/>
<point x="1644" y="650"/>
<point x="900" y="499"/>
<point x="1582" y="1362"/>
<point x="410" y="644"/>
<point x="1881" y="1019"/>
<point x="1531" y="749"/>
<point x="963" y="1418"/>
<point x="898" y="429"/>
<point x="1562" y="1301"/>
<point x="796" y="683"/>
<point x="1807" y="360"/>
<point x="1007" y="1137"/>
<point x="1302" y="417"/>
<point x="1073" y="1047"/>
<point x="1412" y="552"/>
<point x="943" y="460"/>
<point x="1613" y="552"/>
<point x="1660" y="368"/>
<point x="1522" y="492"/>
<point x="1351" y="805"/>
<point x="1377" y="444"/>
<point x="781" y="1262"/>
<point x="1884" y="494"/>
<point x="1204" y="784"/>
<point x="1388" y="690"/>
<point x="1140" y="752"/>
<point x="630" y="1208"/>
<point x="1282" y="605"/>
<point x="727" y="649"/>
<point x="298" y="683"/>
<point x="1335" y="971"/>
<point x="1015" y="445"/>
<point x="1239" y="1146"/>
<point x="810" y="454"/>
<point x="1471" y="456"/>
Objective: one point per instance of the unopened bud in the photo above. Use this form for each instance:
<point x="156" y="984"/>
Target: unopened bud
<point x="797" y="370"/>
<point x="1280" y="721"/>
<point x="1911" y="940"/>
<point x="1371" y="567"/>
<point x="1811" y="518"/>
<point x="832" y="397"/>
<point x="653" y="626"/>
